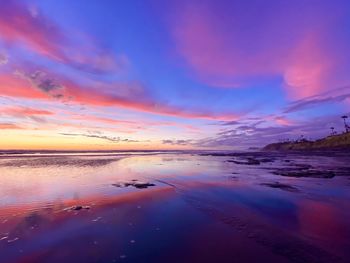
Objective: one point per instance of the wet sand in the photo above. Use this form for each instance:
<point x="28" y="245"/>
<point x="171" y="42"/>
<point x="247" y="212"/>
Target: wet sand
<point x="196" y="208"/>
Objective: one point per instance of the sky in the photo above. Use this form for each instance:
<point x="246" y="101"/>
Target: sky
<point x="184" y="74"/>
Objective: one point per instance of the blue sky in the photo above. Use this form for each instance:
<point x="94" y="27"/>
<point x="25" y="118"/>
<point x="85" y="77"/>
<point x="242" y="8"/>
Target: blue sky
<point x="175" y="74"/>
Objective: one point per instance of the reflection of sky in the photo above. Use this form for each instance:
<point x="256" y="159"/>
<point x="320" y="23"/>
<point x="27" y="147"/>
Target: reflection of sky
<point x="46" y="179"/>
<point x="185" y="184"/>
<point x="35" y="180"/>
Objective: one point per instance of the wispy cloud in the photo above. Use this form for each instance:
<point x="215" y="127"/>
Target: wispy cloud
<point x="44" y="37"/>
<point x="100" y="136"/>
<point x="24" y="111"/>
<point x="9" y="126"/>
<point x="321" y="99"/>
<point x="36" y="115"/>
<point x="129" y="95"/>
<point x="3" y="59"/>
<point x="43" y="82"/>
<point x="178" y="142"/>
<point x="245" y="136"/>
<point x="218" y="44"/>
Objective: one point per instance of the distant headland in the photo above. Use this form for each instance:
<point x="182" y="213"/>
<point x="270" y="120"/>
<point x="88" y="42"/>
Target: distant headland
<point x="332" y="142"/>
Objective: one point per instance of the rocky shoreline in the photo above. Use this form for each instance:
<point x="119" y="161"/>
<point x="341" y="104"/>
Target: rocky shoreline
<point x="340" y="142"/>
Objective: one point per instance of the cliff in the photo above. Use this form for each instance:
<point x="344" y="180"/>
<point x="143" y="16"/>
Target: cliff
<point x="335" y="142"/>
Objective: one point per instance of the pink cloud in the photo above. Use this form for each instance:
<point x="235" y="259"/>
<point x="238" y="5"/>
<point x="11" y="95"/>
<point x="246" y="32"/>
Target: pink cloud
<point x="143" y="103"/>
<point x="42" y="36"/>
<point x="213" y="45"/>
<point x="230" y="45"/>
<point x="9" y="126"/>
<point x="13" y="86"/>
<point x="24" y="111"/>
<point x="281" y="120"/>
<point x="131" y="96"/>
<point x="307" y="71"/>
<point x="16" y="24"/>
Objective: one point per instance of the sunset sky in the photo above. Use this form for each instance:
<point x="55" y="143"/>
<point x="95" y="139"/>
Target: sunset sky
<point x="181" y="74"/>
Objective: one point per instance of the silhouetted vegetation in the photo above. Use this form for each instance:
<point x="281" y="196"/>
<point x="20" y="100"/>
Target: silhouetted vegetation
<point x="346" y="125"/>
<point x="333" y="141"/>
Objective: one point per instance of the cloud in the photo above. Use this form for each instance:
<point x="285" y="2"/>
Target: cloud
<point x="230" y="44"/>
<point x="282" y="120"/>
<point x="36" y="115"/>
<point x="128" y="95"/>
<point x="13" y="86"/>
<point x="306" y="73"/>
<point x="99" y="136"/>
<point x="105" y="120"/>
<point x="229" y="123"/>
<point x="9" y="126"/>
<point x="41" y="80"/>
<point x="306" y="104"/>
<point x="246" y="136"/>
<point x="25" y="111"/>
<point x="321" y="99"/>
<point x="178" y="142"/>
<point x="24" y="26"/>
<point x="3" y="59"/>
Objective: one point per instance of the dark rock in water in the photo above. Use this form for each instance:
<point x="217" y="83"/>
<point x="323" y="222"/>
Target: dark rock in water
<point x="77" y="208"/>
<point x="266" y="160"/>
<point x="142" y="185"/>
<point x="304" y="173"/>
<point x="285" y="187"/>
<point x="302" y="166"/>
<point x="134" y="183"/>
<point x="342" y="171"/>
<point x="249" y="161"/>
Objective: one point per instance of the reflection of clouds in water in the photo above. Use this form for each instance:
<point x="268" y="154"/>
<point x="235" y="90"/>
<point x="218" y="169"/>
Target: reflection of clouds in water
<point x="323" y="220"/>
<point x="57" y="161"/>
<point x="49" y="179"/>
<point x="270" y="216"/>
<point x="76" y="196"/>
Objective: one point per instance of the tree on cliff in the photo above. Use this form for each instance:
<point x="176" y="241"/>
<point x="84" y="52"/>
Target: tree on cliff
<point x="333" y="132"/>
<point x="347" y="127"/>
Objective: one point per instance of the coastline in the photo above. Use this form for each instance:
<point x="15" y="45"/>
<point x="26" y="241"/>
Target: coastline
<point x="340" y="142"/>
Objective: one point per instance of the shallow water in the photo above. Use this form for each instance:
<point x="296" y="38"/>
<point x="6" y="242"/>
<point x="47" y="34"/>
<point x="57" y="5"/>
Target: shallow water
<point x="202" y="208"/>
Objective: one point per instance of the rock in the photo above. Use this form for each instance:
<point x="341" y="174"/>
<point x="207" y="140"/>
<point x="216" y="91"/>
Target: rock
<point x="281" y="186"/>
<point x="77" y="208"/>
<point x="304" y="173"/>
<point x="302" y="166"/>
<point x="142" y="185"/>
<point x="134" y="183"/>
<point x="249" y="161"/>
<point x="342" y="171"/>
<point x="266" y="160"/>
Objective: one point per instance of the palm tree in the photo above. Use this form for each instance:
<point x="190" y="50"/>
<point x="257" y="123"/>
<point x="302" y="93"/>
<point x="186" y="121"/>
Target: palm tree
<point x="347" y="127"/>
<point x="332" y="131"/>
